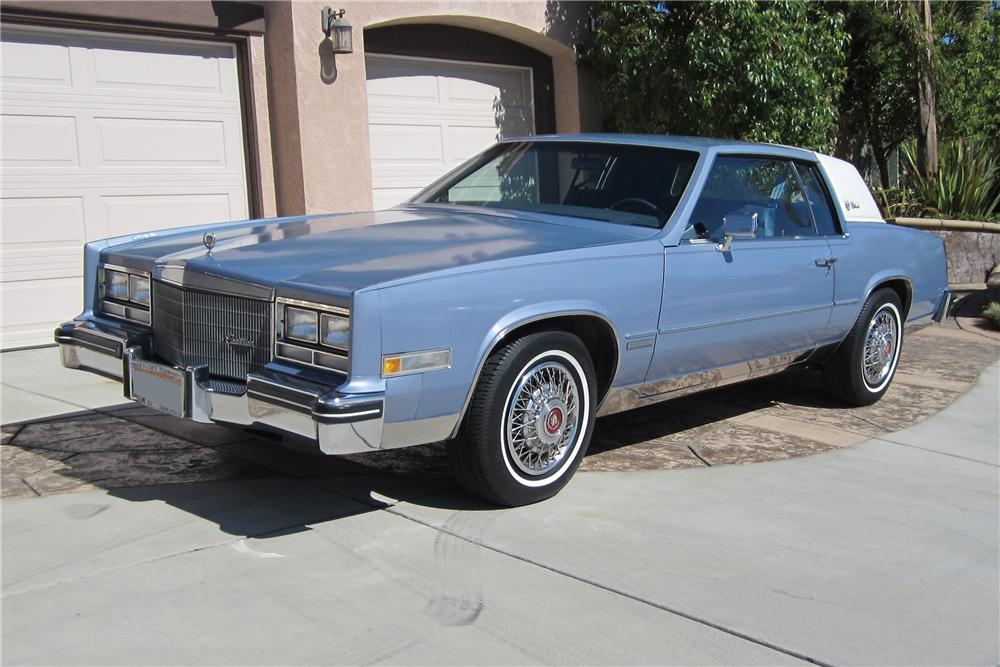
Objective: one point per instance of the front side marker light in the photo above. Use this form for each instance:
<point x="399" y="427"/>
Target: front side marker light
<point x="416" y="362"/>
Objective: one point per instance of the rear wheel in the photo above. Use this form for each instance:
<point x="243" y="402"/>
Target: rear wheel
<point x="529" y="422"/>
<point x="861" y="370"/>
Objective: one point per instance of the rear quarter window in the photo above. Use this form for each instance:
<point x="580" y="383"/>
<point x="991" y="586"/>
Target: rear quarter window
<point x="819" y="201"/>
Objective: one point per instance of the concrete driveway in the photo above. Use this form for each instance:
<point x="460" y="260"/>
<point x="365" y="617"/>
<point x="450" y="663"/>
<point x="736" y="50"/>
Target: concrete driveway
<point x="165" y="546"/>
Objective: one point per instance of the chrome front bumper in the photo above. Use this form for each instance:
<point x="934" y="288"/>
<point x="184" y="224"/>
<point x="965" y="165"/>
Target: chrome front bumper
<point x="286" y="404"/>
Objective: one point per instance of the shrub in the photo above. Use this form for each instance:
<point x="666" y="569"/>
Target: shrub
<point x="991" y="314"/>
<point x="967" y="184"/>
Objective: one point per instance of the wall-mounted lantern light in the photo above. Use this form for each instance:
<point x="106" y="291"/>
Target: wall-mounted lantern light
<point x="337" y="29"/>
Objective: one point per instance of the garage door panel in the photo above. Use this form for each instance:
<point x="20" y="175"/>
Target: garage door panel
<point x="42" y="219"/>
<point x="516" y="121"/>
<point x="122" y="67"/>
<point x="161" y="142"/>
<point x="39" y="261"/>
<point x="470" y="117"/>
<point x="160" y="68"/>
<point x="32" y="60"/>
<point x="396" y="80"/>
<point x="469" y="107"/>
<point x="417" y="90"/>
<point x="42" y="237"/>
<point x="107" y="135"/>
<point x="469" y="141"/>
<point x="406" y="176"/>
<point x="387" y="197"/>
<point x="32" y="308"/>
<point x="490" y="87"/>
<point x="406" y="143"/>
<point x="129" y="214"/>
<point x="39" y="142"/>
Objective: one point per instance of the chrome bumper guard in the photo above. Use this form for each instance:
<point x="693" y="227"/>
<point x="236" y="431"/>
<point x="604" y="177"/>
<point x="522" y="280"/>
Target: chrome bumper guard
<point x="338" y="423"/>
<point x="943" y="309"/>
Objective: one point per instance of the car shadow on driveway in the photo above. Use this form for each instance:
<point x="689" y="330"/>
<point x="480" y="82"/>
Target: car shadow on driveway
<point x="142" y="456"/>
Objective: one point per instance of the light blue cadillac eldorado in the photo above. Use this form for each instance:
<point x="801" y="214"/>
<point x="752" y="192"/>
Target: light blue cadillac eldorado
<point x="546" y="282"/>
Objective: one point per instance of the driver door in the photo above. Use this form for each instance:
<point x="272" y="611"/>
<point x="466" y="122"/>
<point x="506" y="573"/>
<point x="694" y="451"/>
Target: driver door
<point x="762" y="305"/>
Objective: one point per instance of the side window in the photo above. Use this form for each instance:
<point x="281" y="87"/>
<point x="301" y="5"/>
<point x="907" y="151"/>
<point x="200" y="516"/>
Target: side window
<point x="819" y="200"/>
<point x="766" y="186"/>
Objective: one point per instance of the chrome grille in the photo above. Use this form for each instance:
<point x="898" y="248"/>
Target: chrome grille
<point x="229" y="334"/>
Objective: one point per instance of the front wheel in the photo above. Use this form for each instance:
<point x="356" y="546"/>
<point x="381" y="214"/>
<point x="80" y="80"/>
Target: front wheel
<point x="861" y="370"/>
<point x="529" y="422"/>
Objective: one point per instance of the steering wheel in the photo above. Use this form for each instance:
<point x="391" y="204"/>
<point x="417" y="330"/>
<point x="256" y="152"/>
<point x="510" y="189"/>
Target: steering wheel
<point x="644" y="202"/>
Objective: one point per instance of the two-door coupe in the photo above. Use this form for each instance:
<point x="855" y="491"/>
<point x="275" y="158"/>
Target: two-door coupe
<point x="547" y="281"/>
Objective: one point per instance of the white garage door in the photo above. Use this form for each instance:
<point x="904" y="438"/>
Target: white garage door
<point x="427" y="116"/>
<point x="106" y="135"/>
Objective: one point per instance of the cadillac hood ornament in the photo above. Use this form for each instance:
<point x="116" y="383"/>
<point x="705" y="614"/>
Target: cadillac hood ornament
<point x="209" y="240"/>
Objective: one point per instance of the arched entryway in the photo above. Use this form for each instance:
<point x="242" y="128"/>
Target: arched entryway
<point x="439" y="94"/>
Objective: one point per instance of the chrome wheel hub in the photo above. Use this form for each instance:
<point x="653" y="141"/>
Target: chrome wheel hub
<point x="543" y="418"/>
<point x="880" y="348"/>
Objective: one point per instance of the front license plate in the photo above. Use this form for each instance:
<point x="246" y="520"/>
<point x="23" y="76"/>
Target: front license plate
<point x="159" y="387"/>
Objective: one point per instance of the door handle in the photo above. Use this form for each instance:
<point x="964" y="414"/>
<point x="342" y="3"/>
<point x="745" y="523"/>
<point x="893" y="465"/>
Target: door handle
<point x="826" y="261"/>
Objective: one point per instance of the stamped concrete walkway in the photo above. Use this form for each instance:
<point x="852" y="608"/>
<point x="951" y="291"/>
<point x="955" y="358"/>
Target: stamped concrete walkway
<point x="885" y="552"/>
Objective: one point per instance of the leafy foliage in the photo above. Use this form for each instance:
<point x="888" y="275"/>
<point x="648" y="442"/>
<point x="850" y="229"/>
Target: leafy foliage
<point x="969" y="102"/>
<point x="744" y="70"/>
<point x="991" y="314"/>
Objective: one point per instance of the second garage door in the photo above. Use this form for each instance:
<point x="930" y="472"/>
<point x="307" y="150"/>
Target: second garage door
<point x="105" y="135"/>
<point x="426" y="116"/>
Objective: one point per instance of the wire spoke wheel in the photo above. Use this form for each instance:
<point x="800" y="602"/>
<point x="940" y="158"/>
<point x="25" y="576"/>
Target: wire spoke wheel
<point x="529" y="421"/>
<point x="880" y="347"/>
<point x="543" y="418"/>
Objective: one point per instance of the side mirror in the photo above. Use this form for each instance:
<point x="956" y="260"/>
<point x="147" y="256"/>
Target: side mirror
<point x="737" y="226"/>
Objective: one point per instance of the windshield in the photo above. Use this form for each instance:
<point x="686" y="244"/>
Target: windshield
<point x="635" y="185"/>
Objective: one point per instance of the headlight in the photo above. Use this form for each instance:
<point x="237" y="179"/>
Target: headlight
<point x="334" y="331"/>
<point x="115" y="285"/>
<point x="301" y="324"/>
<point x="312" y="333"/>
<point x="138" y="289"/>
<point x="125" y="293"/>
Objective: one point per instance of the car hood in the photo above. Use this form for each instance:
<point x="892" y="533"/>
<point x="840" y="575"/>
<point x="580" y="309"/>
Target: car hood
<point x="339" y="254"/>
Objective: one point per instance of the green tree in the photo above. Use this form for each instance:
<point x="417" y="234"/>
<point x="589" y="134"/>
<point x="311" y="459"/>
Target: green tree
<point x="969" y="96"/>
<point x="736" y="69"/>
<point x="878" y="102"/>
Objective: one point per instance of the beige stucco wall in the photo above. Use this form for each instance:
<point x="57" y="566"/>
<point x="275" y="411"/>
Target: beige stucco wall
<point x="262" y="126"/>
<point x="329" y="117"/>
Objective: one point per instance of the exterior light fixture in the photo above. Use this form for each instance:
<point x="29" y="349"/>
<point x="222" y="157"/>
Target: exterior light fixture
<point x="337" y="30"/>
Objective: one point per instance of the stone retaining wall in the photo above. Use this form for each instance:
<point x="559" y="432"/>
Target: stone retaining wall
<point x="971" y="255"/>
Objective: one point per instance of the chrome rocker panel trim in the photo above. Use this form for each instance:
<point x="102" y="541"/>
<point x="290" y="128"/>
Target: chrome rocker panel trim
<point x="336" y="422"/>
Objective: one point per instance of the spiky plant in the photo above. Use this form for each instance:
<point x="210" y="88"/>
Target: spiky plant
<point x="967" y="184"/>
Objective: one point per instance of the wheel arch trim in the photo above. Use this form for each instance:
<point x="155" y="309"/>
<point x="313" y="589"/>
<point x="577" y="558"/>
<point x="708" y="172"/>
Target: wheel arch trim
<point x="534" y="315"/>
<point x="879" y="281"/>
<point x="882" y="279"/>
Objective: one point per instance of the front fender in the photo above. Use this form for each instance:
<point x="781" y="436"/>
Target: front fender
<point x="472" y="313"/>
